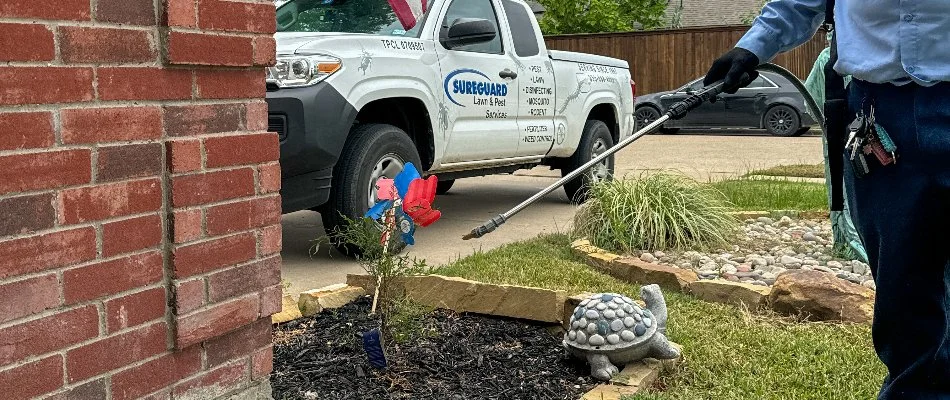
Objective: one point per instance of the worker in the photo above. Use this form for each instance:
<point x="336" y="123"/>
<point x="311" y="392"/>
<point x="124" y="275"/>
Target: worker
<point x="898" y="57"/>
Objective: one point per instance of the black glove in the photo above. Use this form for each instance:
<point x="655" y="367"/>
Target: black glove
<point x="736" y="69"/>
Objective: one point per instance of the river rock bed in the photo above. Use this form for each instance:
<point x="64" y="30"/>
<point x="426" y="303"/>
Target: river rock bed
<point x="462" y="356"/>
<point x="767" y="248"/>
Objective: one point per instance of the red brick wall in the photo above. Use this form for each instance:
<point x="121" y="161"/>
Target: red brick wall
<point x="139" y="205"/>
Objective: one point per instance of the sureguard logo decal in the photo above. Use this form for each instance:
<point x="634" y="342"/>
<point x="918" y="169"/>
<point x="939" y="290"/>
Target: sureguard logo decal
<point x="468" y="81"/>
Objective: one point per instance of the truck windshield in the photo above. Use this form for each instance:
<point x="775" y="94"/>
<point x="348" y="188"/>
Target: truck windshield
<point x="377" y="17"/>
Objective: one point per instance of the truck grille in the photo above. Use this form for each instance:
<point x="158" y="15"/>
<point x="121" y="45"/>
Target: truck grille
<point x="277" y="123"/>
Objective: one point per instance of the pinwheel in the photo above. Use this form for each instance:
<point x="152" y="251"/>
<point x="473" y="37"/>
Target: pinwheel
<point x="404" y="202"/>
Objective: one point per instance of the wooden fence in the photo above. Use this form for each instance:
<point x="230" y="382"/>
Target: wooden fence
<point x="666" y="59"/>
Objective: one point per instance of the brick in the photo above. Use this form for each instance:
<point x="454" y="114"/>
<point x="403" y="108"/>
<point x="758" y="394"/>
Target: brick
<point x="45" y="252"/>
<point x="189" y="296"/>
<point x="205" y="49"/>
<point x="27" y="130"/>
<point x="215" y="383"/>
<point x="194" y="120"/>
<point x="184" y="155"/>
<point x="272" y="240"/>
<point x="135" y="12"/>
<point x="239" y="343"/>
<point x="225" y="151"/>
<point x="243" y="215"/>
<point x="75" y="10"/>
<point x="92" y="125"/>
<point x="265" y="51"/>
<point x="192" y="190"/>
<point x="47" y="170"/>
<point x="135" y="309"/>
<point x="29" y="296"/>
<point x="111" y="277"/>
<point x="131" y="235"/>
<point x="105" y="45"/>
<point x="271" y="299"/>
<point x="214" y="254"/>
<point x="256" y="116"/>
<point x="117" y="163"/>
<point x="182" y="13"/>
<point x="41" y="45"/>
<point x="110" y="200"/>
<point x="270" y="181"/>
<point x="144" y="83"/>
<point x="33" y="379"/>
<point x="262" y="363"/>
<point x="231" y="84"/>
<point x="30" y="85"/>
<point x="187" y="225"/>
<point x="48" y="334"/>
<point x="91" y="390"/>
<point x="250" y="278"/>
<point x="26" y="214"/>
<point x="226" y="15"/>
<point x="161" y="372"/>
<point x="115" y="352"/>
<point x="216" y="320"/>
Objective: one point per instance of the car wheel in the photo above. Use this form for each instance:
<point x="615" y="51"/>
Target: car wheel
<point x="444" y="186"/>
<point x="373" y="151"/>
<point x="646" y="115"/>
<point x="595" y="141"/>
<point x="782" y="121"/>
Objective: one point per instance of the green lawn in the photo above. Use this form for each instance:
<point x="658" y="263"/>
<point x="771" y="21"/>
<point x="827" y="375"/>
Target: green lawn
<point x="761" y="194"/>
<point x="795" y="170"/>
<point x="728" y="353"/>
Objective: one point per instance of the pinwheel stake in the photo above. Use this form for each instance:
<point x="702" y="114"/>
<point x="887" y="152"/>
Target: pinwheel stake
<point x="404" y="202"/>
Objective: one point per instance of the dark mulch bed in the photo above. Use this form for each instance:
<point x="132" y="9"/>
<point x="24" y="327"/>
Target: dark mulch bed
<point x="467" y="357"/>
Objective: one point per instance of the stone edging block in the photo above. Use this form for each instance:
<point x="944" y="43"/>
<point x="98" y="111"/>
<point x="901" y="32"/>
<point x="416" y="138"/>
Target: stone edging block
<point x="463" y="295"/>
<point x="812" y="293"/>
<point x="633" y="378"/>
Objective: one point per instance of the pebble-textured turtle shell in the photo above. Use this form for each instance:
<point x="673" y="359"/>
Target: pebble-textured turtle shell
<point x="609" y="320"/>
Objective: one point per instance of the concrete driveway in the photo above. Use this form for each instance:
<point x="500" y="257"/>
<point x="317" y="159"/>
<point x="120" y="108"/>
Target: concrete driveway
<point x="705" y="156"/>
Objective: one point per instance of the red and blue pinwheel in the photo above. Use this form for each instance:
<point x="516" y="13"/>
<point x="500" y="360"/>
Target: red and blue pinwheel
<point x="406" y="201"/>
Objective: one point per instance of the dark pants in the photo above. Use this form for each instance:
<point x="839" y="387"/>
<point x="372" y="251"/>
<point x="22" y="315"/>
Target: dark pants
<point x="902" y="213"/>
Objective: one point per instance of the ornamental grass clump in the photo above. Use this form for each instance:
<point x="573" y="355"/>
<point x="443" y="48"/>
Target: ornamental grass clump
<point x="657" y="211"/>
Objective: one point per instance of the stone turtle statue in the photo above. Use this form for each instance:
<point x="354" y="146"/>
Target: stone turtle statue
<point x="609" y="329"/>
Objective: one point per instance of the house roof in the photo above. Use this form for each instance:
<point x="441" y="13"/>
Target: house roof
<point x="711" y="12"/>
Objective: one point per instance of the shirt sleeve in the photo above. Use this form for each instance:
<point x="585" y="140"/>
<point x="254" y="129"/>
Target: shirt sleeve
<point x="782" y="26"/>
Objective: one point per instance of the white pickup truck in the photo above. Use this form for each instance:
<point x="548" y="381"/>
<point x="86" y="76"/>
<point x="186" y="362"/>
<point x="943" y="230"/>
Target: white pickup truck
<point x="466" y="88"/>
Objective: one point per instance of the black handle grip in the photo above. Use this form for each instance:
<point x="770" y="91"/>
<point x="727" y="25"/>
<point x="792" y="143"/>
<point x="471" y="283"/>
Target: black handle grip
<point x="680" y="109"/>
<point x="508" y="74"/>
<point x="485" y="229"/>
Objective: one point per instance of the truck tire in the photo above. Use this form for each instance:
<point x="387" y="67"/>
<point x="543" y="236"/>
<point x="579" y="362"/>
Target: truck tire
<point x="444" y="186"/>
<point x="595" y="141"/>
<point x="371" y="152"/>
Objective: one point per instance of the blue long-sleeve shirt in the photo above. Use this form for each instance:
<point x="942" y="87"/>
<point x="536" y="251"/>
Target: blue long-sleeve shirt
<point x="879" y="41"/>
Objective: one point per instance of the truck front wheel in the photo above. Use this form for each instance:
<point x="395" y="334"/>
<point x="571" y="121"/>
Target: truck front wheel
<point x="373" y="151"/>
<point x="595" y="141"/>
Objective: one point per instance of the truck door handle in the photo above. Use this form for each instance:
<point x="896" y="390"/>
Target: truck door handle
<point x="508" y="74"/>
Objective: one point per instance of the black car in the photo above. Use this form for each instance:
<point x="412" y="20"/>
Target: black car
<point x="770" y="102"/>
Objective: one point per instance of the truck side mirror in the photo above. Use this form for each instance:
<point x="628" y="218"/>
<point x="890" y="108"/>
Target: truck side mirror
<point x="465" y="31"/>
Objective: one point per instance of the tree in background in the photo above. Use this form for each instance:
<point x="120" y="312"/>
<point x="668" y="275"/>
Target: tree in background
<point x="749" y="18"/>
<point x="598" y="16"/>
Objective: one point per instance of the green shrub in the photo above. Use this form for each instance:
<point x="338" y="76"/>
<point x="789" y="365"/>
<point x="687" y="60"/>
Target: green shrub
<point x="657" y="211"/>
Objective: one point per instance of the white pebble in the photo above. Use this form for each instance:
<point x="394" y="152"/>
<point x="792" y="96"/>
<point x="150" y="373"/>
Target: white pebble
<point x="581" y="338"/>
<point x="596" y="340"/>
<point x="627" y="336"/>
<point x="613" y="339"/>
<point x="592" y="329"/>
<point x="616" y="325"/>
<point x="629" y="322"/>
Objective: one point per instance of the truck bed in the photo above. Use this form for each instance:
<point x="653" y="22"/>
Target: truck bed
<point x="587" y="59"/>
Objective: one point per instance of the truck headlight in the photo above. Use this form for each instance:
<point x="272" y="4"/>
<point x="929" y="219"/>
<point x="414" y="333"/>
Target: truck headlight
<point x="300" y="71"/>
